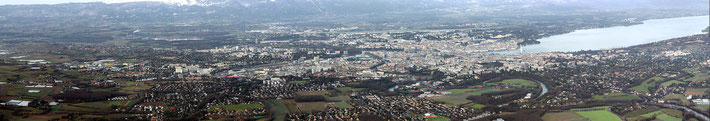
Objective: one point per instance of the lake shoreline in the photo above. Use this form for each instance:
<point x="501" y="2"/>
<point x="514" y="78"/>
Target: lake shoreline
<point x="638" y="35"/>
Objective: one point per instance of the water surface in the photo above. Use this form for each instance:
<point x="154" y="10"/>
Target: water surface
<point x="620" y="36"/>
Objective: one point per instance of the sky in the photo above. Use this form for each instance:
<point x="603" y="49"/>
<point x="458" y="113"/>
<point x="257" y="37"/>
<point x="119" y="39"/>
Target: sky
<point x="24" y="2"/>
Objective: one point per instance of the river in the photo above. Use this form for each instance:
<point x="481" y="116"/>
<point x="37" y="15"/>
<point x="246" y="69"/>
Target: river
<point x="544" y="88"/>
<point x="620" y="36"/>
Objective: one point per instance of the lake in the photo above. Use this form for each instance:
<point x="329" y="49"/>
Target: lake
<point x="620" y="36"/>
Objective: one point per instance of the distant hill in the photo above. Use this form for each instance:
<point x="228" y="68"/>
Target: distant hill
<point x="259" y="10"/>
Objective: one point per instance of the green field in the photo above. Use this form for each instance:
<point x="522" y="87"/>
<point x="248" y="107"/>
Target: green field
<point x="672" y="112"/>
<point x="651" y="111"/>
<point x="82" y="76"/>
<point x="665" y="115"/>
<point x="337" y="98"/>
<point x="520" y="82"/>
<point x="49" y="57"/>
<point x="295" y="107"/>
<point x="236" y="107"/>
<point x="636" y="114"/>
<point x="45" y="117"/>
<point x="458" y="96"/>
<point x="439" y="118"/>
<point x="343" y="105"/>
<point x="697" y="89"/>
<point x="322" y="92"/>
<point x="8" y="68"/>
<point x="69" y="108"/>
<point x="475" y="105"/>
<point x="452" y="99"/>
<point x="481" y="91"/>
<point x="690" y="70"/>
<point x="460" y="91"/>
<point x="615" y="97"/>
<point x="21" y="90"/>
<point x="648" y="83"/>
<point x="697" y="77"/>
<point x="132" y="87"/>
<point x="130" y="83"/>
<point x="91" y="116"/>
<point x="600" y="115"/>
<point x="683" y="99"/>
<point x="563" y="116"/>
<point x="311" y="106"/>
<point x="278" y="109"/>
<point x="668" y="83"/>
<point x="346" y="91"/>
<point x="105" y="105"/>
<point x="7" y="75"/>
<point x="291" y="105"/>
<point x="592" y="108"/>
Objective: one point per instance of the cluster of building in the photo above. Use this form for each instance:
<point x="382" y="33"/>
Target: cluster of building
<point x="409" y="107"/>
<point x="616" y="71"/>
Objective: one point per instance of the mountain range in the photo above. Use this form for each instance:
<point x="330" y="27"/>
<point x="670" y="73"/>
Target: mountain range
<point x="280" y="10"/>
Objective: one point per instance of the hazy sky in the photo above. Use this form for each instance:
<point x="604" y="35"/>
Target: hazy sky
<point x="21" y="2"/>
<point x="25" y="2"/>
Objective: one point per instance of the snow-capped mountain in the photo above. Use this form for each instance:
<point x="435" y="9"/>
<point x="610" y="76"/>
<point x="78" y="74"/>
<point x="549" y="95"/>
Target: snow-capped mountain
<point x="432" y="3"/>
<point x="259" y="10"/>
<point x="173" y="2"/>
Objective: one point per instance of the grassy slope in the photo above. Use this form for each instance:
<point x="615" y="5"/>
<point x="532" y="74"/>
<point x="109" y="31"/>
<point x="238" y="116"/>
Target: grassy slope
<point x="668" y="83"/>
<point x="616" y="97"/>
<point x="278" y="109"/>
<point x="651" y="82"/>
<point x="562" y="116"/>
<point x="601" y="115"/>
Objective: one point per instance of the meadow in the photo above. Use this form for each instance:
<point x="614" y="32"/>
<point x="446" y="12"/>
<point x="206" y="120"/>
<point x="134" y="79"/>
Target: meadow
<point x="563" y="116"/>
<point x="106" y="105"/>
<point x="616" y="97"/>
<point x="439" y="118"/>
<point x="475" y="105"/>
<point x="278" y="109"/>
<point x="653" y="111"/>
<point x="668" y="83"/>
<point x="236" y="107"/>
<point x="680" y="97"/>
<point x="600" y="115"/>
<point x="697" y="77"/>
<point x="648" y="83"/>
<point x="518" y="82"/>
<point x="458" y="96"/>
